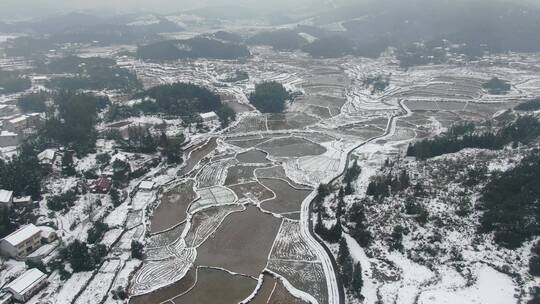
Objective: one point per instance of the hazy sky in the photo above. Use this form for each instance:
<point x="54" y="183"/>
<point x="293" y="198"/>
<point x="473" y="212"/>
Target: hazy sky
<point x="22" y="8"/>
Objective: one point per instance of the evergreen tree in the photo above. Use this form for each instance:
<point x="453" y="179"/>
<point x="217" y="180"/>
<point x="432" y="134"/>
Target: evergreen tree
<point x="343" y="252"/>
<point x="137" y="250"/>
<point x="357" y="281"/>
<point x="347" y="269"/>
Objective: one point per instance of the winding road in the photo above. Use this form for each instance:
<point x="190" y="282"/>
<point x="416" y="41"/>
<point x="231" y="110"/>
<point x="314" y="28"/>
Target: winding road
<point x="336" y="292"/>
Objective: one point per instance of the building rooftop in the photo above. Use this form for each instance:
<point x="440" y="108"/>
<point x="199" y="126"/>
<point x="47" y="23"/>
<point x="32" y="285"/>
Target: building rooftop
<point x="146" y="185"/>
<point x="22" y="234"/>
<point x="19" y="119"/>
<point x="5" y="196"/>
<point x="47" y="154"/>
<point x="26" y="281"/>
<point x="208" y="115"/>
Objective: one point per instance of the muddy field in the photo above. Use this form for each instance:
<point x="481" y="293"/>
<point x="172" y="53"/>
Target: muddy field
<point x="204" y="223"/>
<point x="253" y="157"/>
<point x="308" y="277"/>
<point x="291" y="147"/>
<point x="196" y="155"/>
<point x="242" y="242"/>
<point x="240" y="174"/>
<point x="278" y="172"/>
<point x="272" y="291"/>
<point x="288" y="121"/>
<point x="217" y="286"/>
<point x="173" y="207"/>
<point x="253" y="190"/>
<point x="288" y="199"/>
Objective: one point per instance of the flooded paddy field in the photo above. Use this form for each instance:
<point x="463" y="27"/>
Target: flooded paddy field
<point x="279" y="173"/>
<point x="217" y="286"/>
<point x="333" y="104"/>
<point x="197" y="155"/>
<point x="240" y="174"/>
<point x="288" y="121"/>
<point x="291" y="147"/>
<point x="173" y="207"/>
<point x="360" y="130"/>
<point x="253" y="156"/>
<point x="288" y="199"/>
<point x="165" y="238"/>
<point x="242" y="242"/>
<point x="247" y="143"/>
<point x="272" y="291"/>
<point x="253" y="190"/>
<point x="205" y="222"/>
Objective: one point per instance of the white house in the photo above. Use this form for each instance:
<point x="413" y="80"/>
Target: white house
<point x="209" y="117"/>
<point x="47" y="157"/>
<point x="146" y="185"/>
<point x="5" y="297"/>
<point x="6" y="198"/>
<point x="26" y="285"/>
<point x="21" y="242"/>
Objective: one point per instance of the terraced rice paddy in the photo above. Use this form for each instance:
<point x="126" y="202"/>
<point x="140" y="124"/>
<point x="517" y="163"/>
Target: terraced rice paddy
<point x="242" y="242"/>
<point x="288" y="199"/>
<point x="172" y="210"/>
<point x="291" y="147"/>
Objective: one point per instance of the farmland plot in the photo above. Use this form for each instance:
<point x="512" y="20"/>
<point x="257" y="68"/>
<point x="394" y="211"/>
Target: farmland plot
<point x="250" y="124"/>
<point x="168" y="292"/>
<point x="279" y="173"/>
<point x="306" y="276"/>
<point x="156" y="274"/>
<point x="98" y="288"/>
<point x="253" y="191"/>
<point x="205" y="222"/>
<point x="165" y="238"/>
<point x="214" y="173"/>
<point x="173" y="207"/>
<point x="288" y="199"/>
<point x="253" y="156"/>
<point x="242" y="242"/>
<point x="291" y="147"/>
<point x="240" y="174"/>
<point x="290" y="245"/>
<point x="213" y="284"/>
<point x="287" y="121"/>
<point x="197" y="155"/>
<point x="272" y="291"/>
<point x="212" y="196"/>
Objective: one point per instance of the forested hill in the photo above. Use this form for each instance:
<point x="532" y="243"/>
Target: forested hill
<point x="198" y="47"/>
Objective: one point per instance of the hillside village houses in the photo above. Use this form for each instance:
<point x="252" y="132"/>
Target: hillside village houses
<point x="27" y="284"/>
<point x="22" y="242"/>
<point x="6" y="198"/>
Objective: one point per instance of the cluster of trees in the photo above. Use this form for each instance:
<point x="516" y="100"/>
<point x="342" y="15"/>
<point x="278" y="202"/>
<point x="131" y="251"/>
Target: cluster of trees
<point x="96" y="232"/>
<point x="22" y="173"/>
<point x="523" y="130"/>
<point x="377" y="83"/>
<point x="529" y="105"/>
<point x="72" y="122"/>
<point x="91" y="74"/>
<point x="282" y="40"/>
<point x="496" y="86"/>
<point x="350" y="272"/>
<point x="181" y="99"/>
<point x="358" y="225"/>
<point x="269" y="97"/>
<point x="534" y="262"/>
<point x="418" y="210"/>
<point x="510" y="203"/>
<point x="197" y="47"/>
<point x="35" y="102"/>
<point x="172" y="148"/>
<point x="13" y="82"/>
<point x="351" y="174"/>
<point x="62" y="201"/>
<point x="330" y="47"/>
<point x="82" y="257"/>
<point x="382" y="186"/>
